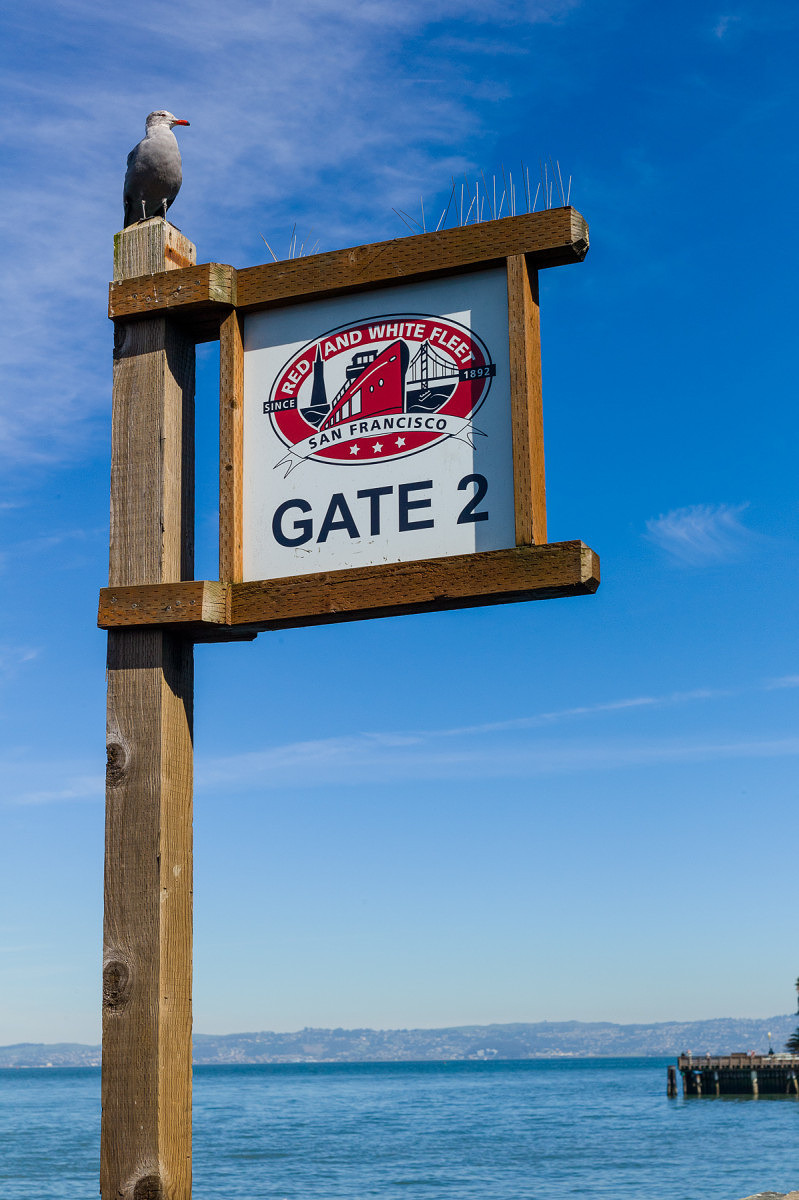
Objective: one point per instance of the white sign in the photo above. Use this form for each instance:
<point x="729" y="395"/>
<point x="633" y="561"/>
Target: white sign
<point x="377" y="428"/>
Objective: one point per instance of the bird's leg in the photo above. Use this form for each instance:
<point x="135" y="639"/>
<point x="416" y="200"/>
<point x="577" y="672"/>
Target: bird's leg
<point x="143" y="211"/>
<point x="164" y="205"/>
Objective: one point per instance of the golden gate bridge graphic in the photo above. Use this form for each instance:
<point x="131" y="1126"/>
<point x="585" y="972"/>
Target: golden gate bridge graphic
<point x="430" y="380"/>
<point x="383" y="383"/>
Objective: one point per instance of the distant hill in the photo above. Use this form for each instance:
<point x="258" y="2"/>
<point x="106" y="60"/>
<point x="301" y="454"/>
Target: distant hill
<point x="43" y="1054"/>
<point x="543" y="1039"/>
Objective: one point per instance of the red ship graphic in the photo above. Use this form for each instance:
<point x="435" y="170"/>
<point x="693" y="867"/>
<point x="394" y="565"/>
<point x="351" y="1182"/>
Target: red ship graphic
<point x="417" y="379"/>
<point x="378" y="388"/>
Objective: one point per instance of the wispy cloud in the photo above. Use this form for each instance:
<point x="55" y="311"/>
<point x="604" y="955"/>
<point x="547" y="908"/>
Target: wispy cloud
<point x="313" y="110"/>
<point x="12" y="657"/>
<point x="530" y="745"/>
<point x="481" y="750"/>
<point x="77" y="542"/>
<point x="364" y="759"/>
<point x="784" y="681"/>
<point x="724" y="25"/>
<point x="78" y="787"/>
<point x="541" y="720"/>
<point x="701" y="533"/>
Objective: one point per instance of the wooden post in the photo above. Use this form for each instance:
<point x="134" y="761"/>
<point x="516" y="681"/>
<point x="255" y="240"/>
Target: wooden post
<point x="231" y="450"/>
<point x="526" y="405"/>
<point x="146" y="1084"/>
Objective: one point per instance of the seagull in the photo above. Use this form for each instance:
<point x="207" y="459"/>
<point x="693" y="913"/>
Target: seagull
<point x="153" y="177"/>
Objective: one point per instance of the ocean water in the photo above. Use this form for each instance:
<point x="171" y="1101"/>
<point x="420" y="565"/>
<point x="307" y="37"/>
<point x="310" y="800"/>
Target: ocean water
<point x="420" y="1131"/>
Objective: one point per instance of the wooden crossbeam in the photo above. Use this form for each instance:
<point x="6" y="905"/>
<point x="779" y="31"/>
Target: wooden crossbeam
<point x="216" y="611"/>
<point x="552" y="238"/>
<point x="201" y="296"/>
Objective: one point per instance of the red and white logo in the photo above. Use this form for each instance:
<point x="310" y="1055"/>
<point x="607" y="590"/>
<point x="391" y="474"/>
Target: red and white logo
<point x="379" y="389"/>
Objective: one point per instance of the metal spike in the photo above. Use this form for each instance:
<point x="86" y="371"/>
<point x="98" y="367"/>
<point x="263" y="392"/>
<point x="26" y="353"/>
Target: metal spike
<point x="485" y="187"/>
<point x="410" y="218"/>
<point x="446" y="211"/>
<point x="269" y="248"/>
<point x="401" y="217"/>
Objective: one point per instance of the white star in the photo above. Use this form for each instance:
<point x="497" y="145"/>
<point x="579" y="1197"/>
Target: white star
<point x="378" y="446"/>
<point x="400" y="442"/>
<point x="354" y="448"/>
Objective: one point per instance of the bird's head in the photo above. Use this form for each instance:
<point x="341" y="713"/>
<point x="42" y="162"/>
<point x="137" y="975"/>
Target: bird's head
<point x="162" y="117"/>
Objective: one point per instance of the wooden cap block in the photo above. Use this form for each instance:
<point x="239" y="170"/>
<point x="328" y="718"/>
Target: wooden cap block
<point x="149" y="247"/>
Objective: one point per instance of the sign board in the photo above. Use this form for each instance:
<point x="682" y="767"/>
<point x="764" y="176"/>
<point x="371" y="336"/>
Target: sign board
<point x="377" y="428"/>
<point x="381" y="431"/>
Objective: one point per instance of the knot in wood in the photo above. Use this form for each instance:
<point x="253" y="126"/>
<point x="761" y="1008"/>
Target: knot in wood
<point x="116" y="763"/>
<point x="116" y="985"/>
<point x="148" y="1188"/>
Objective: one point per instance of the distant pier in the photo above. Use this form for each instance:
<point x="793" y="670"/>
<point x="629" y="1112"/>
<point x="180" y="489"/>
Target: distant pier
<point x="736" y="1075"/>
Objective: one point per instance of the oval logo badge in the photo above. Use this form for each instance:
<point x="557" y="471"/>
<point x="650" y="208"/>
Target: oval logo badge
<point x="379" y="389"/>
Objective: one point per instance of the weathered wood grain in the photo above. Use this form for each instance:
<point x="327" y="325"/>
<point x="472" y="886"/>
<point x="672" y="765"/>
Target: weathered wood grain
<point x="202" y="295"/>
<point x="527" y="418"/>
<point x="146" y="1085"/>
<point x="152" y="246"/>
<point x="175" y="604"/>
<point x="198" y="297"/>
<point x="151" y="478"/>
<point x="431" y="585"/>
<point x="231" y="448"/>
<point x="553" y="238"/>
<point x="390" y="589"/>
<point x="146" y="1082"/>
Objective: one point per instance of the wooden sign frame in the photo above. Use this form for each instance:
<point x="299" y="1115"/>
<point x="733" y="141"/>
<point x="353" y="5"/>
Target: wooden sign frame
<point x="211" y="301"/>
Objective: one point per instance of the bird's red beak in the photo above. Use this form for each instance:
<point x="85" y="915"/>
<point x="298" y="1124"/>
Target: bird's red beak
<point x="181" y="122"/>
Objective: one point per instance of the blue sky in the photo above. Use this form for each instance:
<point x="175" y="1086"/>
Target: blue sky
<point x="578" y="809"/>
